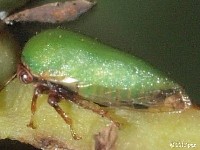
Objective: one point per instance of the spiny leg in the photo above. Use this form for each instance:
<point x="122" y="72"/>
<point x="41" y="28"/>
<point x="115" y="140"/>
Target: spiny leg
<point x="39" y="89"/>
<point x="53" y="100"/>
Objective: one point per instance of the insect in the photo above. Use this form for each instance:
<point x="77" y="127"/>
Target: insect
<point x="68" y="65"/>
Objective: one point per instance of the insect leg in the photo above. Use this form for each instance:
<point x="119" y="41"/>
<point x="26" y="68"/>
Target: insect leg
<point x="39" y="89"/>
<point x="81" y="101"/>
<point x="53" y="100"/>
<point x="95" y="108"/>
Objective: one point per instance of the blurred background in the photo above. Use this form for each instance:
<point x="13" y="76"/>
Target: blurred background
<point x="162" y="32"/>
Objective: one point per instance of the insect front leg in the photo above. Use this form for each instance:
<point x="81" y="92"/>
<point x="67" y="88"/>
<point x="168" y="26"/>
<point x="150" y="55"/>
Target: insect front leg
<point x="39" y="89"/>
<point x="53" y="100"/>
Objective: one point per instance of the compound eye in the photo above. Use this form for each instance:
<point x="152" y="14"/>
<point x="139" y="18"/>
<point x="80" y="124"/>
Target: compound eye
<point x="26" y="78"/>
<point x="24" y="75"/>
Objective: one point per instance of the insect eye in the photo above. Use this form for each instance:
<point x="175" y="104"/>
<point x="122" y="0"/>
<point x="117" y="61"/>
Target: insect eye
<point x="24" y="75"/>
<point x="26" y="78"/>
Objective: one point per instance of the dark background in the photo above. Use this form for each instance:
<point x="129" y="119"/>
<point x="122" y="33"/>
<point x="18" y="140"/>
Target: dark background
<point x="165" y="33"/>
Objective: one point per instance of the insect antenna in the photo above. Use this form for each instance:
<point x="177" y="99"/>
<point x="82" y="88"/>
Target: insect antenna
<point x="12" y="78"/>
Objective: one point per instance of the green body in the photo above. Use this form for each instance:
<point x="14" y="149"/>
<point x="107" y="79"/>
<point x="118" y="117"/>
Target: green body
<point x="102" y="73"/>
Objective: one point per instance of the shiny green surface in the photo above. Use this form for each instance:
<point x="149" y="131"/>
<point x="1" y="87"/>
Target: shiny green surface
<point x="102" y="72"/>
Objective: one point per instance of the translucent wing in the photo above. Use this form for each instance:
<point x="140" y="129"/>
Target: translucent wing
<point x="160" y="100"/>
